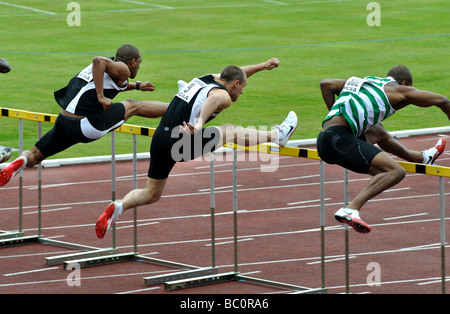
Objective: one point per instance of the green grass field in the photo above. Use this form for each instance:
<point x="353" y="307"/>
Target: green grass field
<point x="183" y="39"/>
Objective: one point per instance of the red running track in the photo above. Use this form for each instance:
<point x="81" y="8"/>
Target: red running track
<point x="278" y="228"/>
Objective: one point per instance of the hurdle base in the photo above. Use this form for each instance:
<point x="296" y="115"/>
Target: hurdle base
<point x="199" y="281"/>
<point x="10" y="234"/>
<point x="101" y="260"/>
<point x="9" y="242"/>
<point x="156" y="280"/>
<point x="60" y="259"/>
<point x="235" y="276"/>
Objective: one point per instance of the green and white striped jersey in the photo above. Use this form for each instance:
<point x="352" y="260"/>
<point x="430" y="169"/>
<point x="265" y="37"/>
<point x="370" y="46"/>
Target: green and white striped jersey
<point x="363" y="103"/>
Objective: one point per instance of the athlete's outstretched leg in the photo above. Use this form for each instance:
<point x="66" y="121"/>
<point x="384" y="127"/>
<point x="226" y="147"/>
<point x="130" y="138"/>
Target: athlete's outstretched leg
<point x="147" y="109"/>
<point x="280" y="134"/>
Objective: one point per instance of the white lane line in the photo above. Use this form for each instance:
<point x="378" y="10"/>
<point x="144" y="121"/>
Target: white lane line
<point x="150" y="4"/>
<point x="140" y="290"/>
<point x="407" y="216"/>
<point x="30" y="271"/>
<point x="27" y="8"/>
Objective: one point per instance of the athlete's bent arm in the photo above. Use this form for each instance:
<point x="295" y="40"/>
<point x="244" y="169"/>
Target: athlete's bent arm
<point x="217" y="100"/>
<point x="117" y="70"/>
<point x="331" y="88"/>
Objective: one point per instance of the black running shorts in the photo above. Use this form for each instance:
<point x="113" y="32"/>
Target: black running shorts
<point x="70" y="131"/>
<point x="338" y="145"/>
<point x="168" y="148"/>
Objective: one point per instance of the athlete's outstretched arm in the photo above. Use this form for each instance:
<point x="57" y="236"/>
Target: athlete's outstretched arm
<point x="409" y="95"/>
<point x="268" y="65"/>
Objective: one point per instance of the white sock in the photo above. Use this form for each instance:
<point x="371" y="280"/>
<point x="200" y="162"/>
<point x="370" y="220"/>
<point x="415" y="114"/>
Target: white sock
<point x="119" y="208"/>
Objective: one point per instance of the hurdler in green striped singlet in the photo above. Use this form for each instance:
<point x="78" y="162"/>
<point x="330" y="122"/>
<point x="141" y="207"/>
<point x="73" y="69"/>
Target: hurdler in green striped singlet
<point x="363" y="103"/>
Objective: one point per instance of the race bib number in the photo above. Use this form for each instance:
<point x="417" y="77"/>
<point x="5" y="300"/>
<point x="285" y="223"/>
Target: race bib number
<point x="190" y="90"/>
<point x="353" y="85"/>
<point x="86" y="74"/>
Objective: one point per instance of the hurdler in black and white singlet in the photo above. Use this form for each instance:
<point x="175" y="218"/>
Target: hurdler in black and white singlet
<point x="80" y="97"/>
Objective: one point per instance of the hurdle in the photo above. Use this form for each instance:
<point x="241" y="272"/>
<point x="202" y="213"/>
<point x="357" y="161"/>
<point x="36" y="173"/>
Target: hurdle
<point x="18" y="237"/>
<point x="191" y="282"/>
<point x="438" y="171"/>
<point x="89" y="256"/>
<point x="210" y="275"/>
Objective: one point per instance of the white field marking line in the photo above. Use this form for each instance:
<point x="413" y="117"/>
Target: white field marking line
<point x="223" y="191"/>
<point x="138" y="225"/>
<point x="150" y="4"/>
<point x="144" y="176"/>
<point x="330" y="260"/>
<point x="303" y="259"/>
<point x="261" y="210"/>
<point x="407" y="216"/>
<point x="303" y="177"/>
<point x="140" y="290"/>
<point x="219" y="188"/>
<point x="396" y="190"/>
<point x="84" y="278"/>
<point x="223" y="6"/>
<point x="48" y="210"/>
<point x="228" y="242"/>
<point x="386" y="283"/>
<point x="30" y="271"/>
<point x="219" y="165"/>
<point x="274" y="2"/>
<point x="57" y="205"/>
<point x="305" y="202"/>
<point x="27" y="8"/>
<point x="433" y="281"/>
<point x="35" y="254"/>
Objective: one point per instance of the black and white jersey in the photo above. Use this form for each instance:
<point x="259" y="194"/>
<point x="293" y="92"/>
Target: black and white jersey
<point x="80" y="97"/>
<point x="187" y="103"/>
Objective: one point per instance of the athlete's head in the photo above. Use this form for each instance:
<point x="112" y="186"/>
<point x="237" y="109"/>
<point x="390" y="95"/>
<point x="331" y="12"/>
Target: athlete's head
<point x="235" y="79"/>
<point x="401" y="74"/>
<point x="129" y="55"/>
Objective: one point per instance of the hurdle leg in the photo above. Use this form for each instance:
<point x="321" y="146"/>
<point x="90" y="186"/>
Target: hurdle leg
<point x="322" y="223"/>
<point x="87" y="251"/>
<point x="442" y="213"/>
<point x="195" y="272"/>
<point x="346" y="235"/>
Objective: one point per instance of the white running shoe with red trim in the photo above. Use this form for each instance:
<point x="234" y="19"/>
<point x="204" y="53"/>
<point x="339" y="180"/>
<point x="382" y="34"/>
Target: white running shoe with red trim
<point x="351" y="218"/>
<point x="430" y="155"/>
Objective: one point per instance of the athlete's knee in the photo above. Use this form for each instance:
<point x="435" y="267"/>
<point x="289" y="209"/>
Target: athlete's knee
<point x="153" y="196"/>
<point x="154" y="189"/>
<point x="400" y="173"/>
<point x="34" y="157"/>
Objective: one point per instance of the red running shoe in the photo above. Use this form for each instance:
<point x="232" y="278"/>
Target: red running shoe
<point x="9" y="172"/>
<point x="106" y="220"/>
